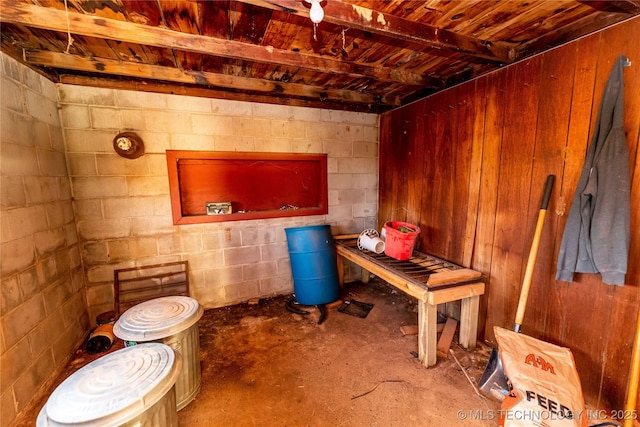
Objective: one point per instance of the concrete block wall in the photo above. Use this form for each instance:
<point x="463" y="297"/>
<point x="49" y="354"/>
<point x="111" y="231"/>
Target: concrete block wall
<point x="43" y="310"/>
<point x="123" y="209"/>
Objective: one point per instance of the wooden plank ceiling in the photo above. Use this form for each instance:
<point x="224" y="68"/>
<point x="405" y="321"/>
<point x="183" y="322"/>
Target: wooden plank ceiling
<point x="365" y="55"/>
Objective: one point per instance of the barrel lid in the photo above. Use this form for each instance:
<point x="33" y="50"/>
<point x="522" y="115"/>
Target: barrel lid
<point x="158" y="318"/>
<point x="114" y="388"/>
<point x="307" y="228"/>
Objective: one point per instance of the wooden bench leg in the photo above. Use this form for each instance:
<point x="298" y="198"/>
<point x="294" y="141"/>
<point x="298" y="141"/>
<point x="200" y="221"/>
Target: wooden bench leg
<point x="340" y="264"/>
<point x="427" y="333"/>
<point x="364" y="276"/>
<point x="469" y="322"/>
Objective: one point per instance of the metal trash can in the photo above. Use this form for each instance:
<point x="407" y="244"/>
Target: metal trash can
<point x="133" y="386"/>
<point x="173" y="321"/>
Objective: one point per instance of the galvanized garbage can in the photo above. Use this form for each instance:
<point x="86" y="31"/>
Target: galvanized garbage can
<point x="173" y="321"/>
<point x="133" y="386"/>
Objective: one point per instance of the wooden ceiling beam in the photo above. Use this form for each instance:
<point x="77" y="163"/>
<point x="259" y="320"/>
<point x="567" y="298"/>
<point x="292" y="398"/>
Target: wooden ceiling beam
<point x="188" y="90"/>
<point x="354" y="16"/>
<point x="58" y="20"/>
<point x="617" y="6"/>
<point x="155" y="72"/>
<point x="577" y="29"/>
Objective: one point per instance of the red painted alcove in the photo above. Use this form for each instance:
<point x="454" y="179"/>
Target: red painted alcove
<point x="258" y="185"/>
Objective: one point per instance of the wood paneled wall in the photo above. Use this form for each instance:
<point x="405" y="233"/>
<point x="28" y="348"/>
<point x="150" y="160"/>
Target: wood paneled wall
<point x="469" y="166"/>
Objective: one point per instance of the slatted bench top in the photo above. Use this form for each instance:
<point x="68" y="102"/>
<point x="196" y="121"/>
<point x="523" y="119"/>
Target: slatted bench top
<point x="421" y="273"/>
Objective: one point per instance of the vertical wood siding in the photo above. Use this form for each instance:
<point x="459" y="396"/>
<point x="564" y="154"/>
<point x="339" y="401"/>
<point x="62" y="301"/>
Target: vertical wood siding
<point x="469" y="166"/>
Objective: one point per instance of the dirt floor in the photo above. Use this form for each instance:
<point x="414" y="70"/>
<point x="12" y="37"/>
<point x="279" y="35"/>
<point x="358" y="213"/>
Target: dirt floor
<point x="263" y="365"/>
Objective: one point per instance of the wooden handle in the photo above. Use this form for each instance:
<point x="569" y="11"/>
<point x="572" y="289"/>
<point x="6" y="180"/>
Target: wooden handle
<point x="533" y="253"/>
<point x="548" y="186"/>
<point x="634" y="377"/>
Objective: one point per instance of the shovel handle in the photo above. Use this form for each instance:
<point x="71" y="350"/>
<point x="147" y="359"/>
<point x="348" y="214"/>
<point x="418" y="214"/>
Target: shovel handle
<point x="533" y="253"/>
<point x="634" y="379"/>
<point x="548" y="186"/>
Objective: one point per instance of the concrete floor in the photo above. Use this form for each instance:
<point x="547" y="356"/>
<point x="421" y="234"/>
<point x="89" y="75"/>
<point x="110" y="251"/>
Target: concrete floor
<point x="263" y="365"/>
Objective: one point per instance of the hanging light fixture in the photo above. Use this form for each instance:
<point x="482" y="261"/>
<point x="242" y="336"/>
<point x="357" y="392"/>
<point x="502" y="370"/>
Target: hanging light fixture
<point x="315" y="13"/>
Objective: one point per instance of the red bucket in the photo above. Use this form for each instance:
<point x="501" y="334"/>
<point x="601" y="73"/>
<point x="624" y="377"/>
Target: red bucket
<point x="400" y="239"/>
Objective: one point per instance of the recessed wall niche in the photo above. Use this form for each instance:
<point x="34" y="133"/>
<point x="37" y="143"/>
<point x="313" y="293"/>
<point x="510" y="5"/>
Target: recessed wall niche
<point x="214" y="186"/>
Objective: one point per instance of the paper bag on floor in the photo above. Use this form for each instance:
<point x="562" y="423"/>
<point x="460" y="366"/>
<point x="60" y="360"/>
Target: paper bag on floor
<point x="546" y="387"/>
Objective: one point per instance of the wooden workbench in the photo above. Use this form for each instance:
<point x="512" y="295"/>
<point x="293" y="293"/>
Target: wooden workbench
<point x="431" y="280"/>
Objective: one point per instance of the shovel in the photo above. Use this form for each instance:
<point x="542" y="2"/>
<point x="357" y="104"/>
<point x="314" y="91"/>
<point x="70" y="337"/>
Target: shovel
<point x="493" y="382"/>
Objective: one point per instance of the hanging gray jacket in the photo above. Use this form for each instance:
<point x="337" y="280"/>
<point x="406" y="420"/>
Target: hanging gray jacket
<point x="596" y="237"/>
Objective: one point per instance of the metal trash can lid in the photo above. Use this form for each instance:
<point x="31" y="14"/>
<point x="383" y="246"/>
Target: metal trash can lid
<point x="114" y="388"/>
<point x="158" y="318"/>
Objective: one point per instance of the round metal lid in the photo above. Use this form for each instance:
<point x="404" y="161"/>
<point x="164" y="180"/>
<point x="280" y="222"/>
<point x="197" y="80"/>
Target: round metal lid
<point x="114" y="388"/>
<point x="157" y="318"/>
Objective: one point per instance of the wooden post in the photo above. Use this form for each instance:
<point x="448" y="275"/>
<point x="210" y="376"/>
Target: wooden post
<point x="427" y="333"/>
<point x="469" y="322"/>
<point x="365" y="276"/>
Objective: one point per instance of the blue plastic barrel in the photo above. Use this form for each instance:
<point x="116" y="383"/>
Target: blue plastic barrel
<point x="313" y="264"/>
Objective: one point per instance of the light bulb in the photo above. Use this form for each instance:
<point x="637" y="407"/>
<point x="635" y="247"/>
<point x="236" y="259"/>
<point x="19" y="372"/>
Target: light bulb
<point x="316" y="13"/>
<point x="124" y="143"/>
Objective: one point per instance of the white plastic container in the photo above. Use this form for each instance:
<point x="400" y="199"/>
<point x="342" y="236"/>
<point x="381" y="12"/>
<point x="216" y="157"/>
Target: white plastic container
<point x="173" y="321"/>
<point x="134" y="386"/>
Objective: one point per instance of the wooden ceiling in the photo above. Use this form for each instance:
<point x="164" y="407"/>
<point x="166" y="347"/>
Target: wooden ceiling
<point x="366" y="55"/>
